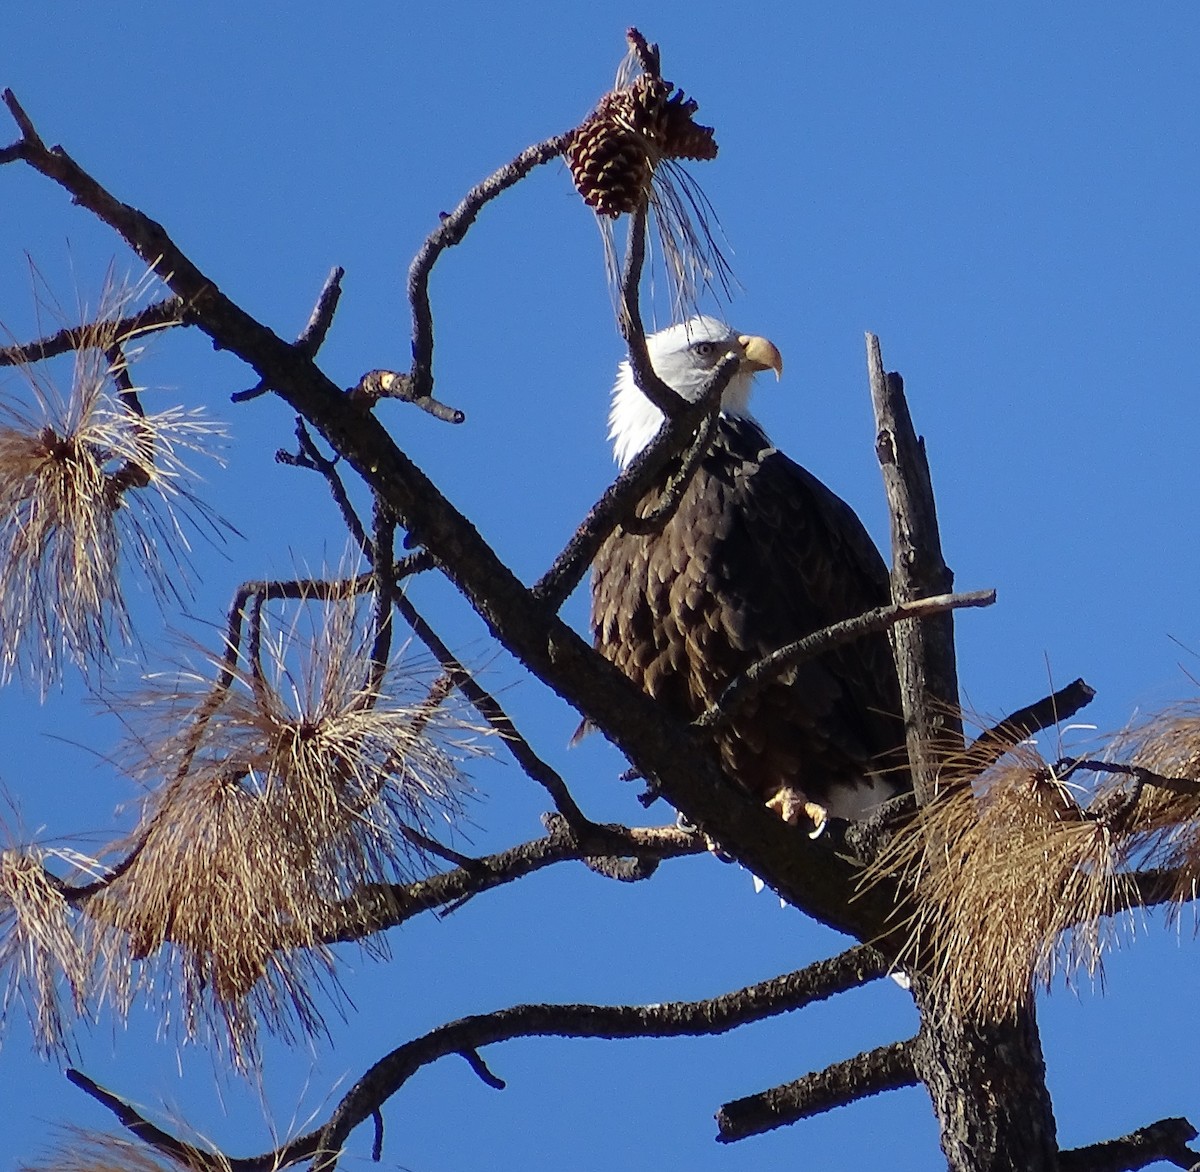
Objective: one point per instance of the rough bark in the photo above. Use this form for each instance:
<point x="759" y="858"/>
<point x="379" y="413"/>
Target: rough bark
<point x="987" y="1082"/>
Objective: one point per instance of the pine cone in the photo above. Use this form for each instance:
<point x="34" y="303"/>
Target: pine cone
<point x="613" y="154"/>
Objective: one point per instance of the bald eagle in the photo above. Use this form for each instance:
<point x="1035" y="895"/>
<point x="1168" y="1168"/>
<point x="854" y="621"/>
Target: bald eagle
<point x="758" y="553"/>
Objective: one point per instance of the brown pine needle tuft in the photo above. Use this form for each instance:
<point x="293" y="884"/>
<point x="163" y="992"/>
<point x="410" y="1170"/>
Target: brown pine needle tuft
<point x="1168" y="822"/>
<point x="46" y="967"/>
<point x="294" y="783"/>
<point x="1013" y="883"/>
<point x="92" y="488"/>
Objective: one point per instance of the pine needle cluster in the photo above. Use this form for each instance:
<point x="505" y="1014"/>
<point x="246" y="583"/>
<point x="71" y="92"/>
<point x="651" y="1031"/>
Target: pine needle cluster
<point x="92" y="489"/>
<point x="293" y="783"/>
<point x="1019" y="874"/>
<point x="47" y="968"/>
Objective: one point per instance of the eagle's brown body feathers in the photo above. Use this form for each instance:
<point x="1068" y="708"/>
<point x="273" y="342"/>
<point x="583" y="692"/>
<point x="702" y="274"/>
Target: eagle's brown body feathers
<point x="758" y="554"/>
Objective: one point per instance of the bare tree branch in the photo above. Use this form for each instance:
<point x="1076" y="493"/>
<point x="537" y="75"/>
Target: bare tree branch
<point x="615" y="506"/>
<point x="139" y="1125"/>
<point x="449" y="232"/>
<point x="1014" y="1127"/>
<point x="489" y="708"/>
<point x="464" y="1037"/>
<point x="310" y="338"/>
<point x="887" y="1068"/>
<point x="771" y="667"/>
<point x="924" y="647"/>
<point x="674" y="1019"/>
<point x="159" y="316"/>
<point x="1022" y="724"/>
<point x="630" y="319"/>
<point x="1166" y="1140"/>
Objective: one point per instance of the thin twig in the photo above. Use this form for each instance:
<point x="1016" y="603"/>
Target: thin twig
<point x="478" y="1065"/>
<point x="309" y="340"/>
<point x="308" y="455"/>
<point x="771" y="667"/>
<point x="656" y="518"/>
<point x="616" y="505"/>
<point x="321" y="318"/>
<point x="159" y="316"/>
<point x="1064" y="767"/>
<point x="449" y="232"/>
<point x="630" y="320"/>
<point x="489" y="708"/>
<point x="887" y="1068"/>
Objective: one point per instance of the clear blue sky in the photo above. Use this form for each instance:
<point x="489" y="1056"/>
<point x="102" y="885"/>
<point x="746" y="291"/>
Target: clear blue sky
<point x="1006" y="194"/>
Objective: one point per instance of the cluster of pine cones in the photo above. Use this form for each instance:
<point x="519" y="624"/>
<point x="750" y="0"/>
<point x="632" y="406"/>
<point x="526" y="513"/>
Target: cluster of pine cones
<point x="612" y="155"/>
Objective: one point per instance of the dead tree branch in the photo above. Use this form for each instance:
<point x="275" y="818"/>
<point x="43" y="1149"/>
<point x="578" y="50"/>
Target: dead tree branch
<point x="616" y="505"/>
<point x="161" y="315"/>
<point x="464" y="1037"/>
<point x="489" y="708"/>
<point x="381" y="906"/>
<point x="310" y="338"/>
<point x="993" y="743"/>
<point x="808" y="873"/>
<point x="1015" y="1128"/>
<point x="1166" y="1140"/>
<point x="449" y="232"/>
<point x="924" y="647"/>
<point x="887" y="1068"/>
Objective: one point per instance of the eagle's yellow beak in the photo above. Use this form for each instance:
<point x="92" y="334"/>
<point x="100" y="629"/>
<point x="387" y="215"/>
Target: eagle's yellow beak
<point x="761" y="354"/>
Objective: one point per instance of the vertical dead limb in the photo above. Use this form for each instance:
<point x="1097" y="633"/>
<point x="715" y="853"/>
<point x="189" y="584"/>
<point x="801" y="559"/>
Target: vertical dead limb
<point x="924" y="648"/>
<point x="1011" y="1127"/>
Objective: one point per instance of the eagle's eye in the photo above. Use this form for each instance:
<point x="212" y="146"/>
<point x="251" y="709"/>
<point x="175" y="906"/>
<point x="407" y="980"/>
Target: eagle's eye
<point x="704" y="349"/>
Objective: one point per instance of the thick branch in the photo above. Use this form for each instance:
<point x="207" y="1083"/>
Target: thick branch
<point x="1010" y="1129"/>
<point x="674" y="1019"/>
<point x="1165" y="1140"/>
<point x="768" y="669"/>
<point x="464" y="1037"/>
<point x="887" y="1068"/>
<point x="1022" y="724"/>
<point x="807" y="873"/>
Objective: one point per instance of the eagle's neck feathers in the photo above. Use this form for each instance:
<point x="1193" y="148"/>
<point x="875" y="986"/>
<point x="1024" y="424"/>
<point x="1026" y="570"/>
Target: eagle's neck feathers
<point x="684" y="360"/>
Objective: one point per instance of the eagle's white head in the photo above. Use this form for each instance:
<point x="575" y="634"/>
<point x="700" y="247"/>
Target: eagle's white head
<point x="685" y="355"/>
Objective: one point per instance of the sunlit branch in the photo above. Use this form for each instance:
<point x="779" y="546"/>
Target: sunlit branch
<point x="380" y="906"/>
<point x="993" y="743"/>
